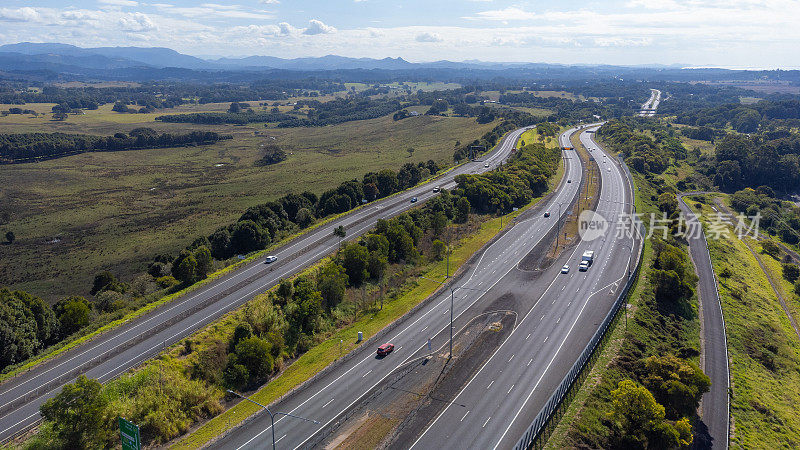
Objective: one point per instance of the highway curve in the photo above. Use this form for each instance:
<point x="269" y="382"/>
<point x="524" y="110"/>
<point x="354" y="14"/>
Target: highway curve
<point x="714" y="406"/>
<point x="124" y="347"/>
<point x="328" y="396"/>
<point x="502" y="399"/>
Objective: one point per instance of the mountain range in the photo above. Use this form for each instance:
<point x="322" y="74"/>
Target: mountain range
<point x="55" y="61"/>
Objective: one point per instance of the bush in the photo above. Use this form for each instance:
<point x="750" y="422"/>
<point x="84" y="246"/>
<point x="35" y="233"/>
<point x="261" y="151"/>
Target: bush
<point x="791" y="272"/>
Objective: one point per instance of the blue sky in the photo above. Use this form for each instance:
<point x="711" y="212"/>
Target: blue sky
<point x="735" y="33"/>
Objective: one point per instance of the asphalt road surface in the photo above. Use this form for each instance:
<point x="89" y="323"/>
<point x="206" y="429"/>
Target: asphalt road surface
<point x="328" y="396"/>
<point x="651" y="105"/>
<point x="714" y="408"/>
<point x="118" y="350"/>
<point x="506" y="394"/>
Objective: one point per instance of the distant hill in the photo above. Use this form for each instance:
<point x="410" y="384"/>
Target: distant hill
<point x="54" y="61"/>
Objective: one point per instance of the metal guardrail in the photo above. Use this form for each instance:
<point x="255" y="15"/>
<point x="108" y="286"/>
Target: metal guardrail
<point x="540" y="422"/>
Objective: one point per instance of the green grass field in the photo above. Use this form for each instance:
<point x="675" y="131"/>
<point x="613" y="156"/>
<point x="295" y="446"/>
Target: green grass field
<point x="764" y="351"/>
<point x="81" y="214"/>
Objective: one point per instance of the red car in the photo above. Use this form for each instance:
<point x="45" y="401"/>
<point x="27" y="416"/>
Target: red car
<point x="385" y="349"/>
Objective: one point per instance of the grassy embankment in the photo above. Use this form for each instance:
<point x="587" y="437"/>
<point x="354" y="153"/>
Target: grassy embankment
<point x="328" y="351"/>
<point x="645" y="332"/>
<point x="763" y="348"/>
<point x="115" y="211"/>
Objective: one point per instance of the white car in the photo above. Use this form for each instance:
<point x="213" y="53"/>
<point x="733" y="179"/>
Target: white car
<point x="270" y="259"/>
<point x="565" y="269"/>
<point x="486" y="165"/>
<point x="584" y="266"/>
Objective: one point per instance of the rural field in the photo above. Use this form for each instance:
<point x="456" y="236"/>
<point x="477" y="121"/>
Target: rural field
<point x="78" y="215"/>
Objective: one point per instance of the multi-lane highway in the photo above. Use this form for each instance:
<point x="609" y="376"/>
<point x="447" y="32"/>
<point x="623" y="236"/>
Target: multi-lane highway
<point x="499" y="403"/>
<point x="649" y="107"/>
<point x="118" y="350"/>
<point x="326" y="398"/>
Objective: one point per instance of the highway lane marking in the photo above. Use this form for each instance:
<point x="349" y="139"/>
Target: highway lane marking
<point x="398" y="334"/>
<point x="541" y="318"/>
<point x="279" y="439"/>
<point x="559" y="320"/>
<point x="465" y="416"/>
<point x="563" y="287"/>
<point x="315" y="237"/>
<point x="487" y="421"/>
<point x="546" y="338"/>
<point x="370" y="371"/>
<point x="23" y="420"/>
<point x="490" y="384"/>
<point x="558" y="350"/>
<point x="529" y="363"/>
<point x="328" y="403"/>
<point x="512" y="332"/>
<point x="426" y="327"/>
<point x="509" y="359"/>
<point x="509" y="389"/>
<point x="526" y="337"/>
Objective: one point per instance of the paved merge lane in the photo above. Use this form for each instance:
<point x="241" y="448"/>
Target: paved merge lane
<point x="118" y="350"/>
<point x="507" y="393"/>
<point x="326" y="398"/>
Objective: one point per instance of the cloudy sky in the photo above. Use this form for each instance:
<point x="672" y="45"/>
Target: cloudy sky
<point x="735" y="33"/>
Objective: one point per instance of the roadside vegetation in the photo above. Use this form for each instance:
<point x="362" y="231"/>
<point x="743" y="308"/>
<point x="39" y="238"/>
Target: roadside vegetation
<point x="645" y="387"/>
<point x="250" y="346"/>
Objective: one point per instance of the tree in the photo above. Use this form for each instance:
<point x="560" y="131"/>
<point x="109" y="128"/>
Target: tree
<point x="285" y="290"/>
<point x="78" y="414"/>
<point x="339" y="231"/>
<point x="791" y="272"/>
<point x="27" y="324"/>
<point x="256" y="355"/>
<point x="410" y="151"/>
<point x="121" y="107"/>
<point x="234" y="108"/>
<point x="438" y="249"/>
<point x="10" y="237"/>
<point x="184" y="269"/>
<point x="376" y="265"/>
<point x="304" y="218"/>
<point x="247" y="236"/>
<point x="354" y="259"/>
<point x="73" y="314"/>
<point x="771" y="248"/>
<point x="106" y="281"/>
<point x="462" y="210"/>
<point x="676" y="383"/>
<point x="387" y="182"/>
<point x="204" y="263"/>
<point x="635" y="410"/>
<point x="332" y="284"/>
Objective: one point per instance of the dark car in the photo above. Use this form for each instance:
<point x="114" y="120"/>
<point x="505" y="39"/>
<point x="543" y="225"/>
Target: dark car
<point x="413" y="199"/>
<point x="385" y="349"/>
<point x="547" y="214"/>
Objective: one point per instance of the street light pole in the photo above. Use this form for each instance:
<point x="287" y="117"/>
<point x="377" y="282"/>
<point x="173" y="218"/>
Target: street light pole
<point x="452" y="306"/>
<point x="271" y="414"/>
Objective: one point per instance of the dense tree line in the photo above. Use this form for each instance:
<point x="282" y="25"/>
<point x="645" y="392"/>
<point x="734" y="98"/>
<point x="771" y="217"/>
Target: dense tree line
<point x="744" y="118"/>
<point x="240" y="118"/>
<point x="642" y="152"/>
<point x="158" y="95"/>
<point x="28" y="146"/>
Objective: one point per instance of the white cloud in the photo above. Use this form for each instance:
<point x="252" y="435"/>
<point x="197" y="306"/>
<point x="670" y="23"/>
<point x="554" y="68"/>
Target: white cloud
<point x="317" y="27"/>
<point x="119" y="2"/>
<point x="24" y="14"/>
<point x="269" y="2"/>
<point x="504" y="15"/>
<point x="428" y="37"/>
<point x="136" y="22"/>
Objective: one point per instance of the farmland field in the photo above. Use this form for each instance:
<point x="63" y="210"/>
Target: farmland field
<point x="78" y="215"/>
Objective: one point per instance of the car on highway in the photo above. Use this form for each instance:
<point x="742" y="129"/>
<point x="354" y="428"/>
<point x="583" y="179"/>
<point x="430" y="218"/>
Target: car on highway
<point x="584" y="266"/>
<point x="385" y="349"/>
<point x="565" y="269"/>
<point x="569" y="181"/>
<point x="270" y="259"/>
<point x="486" y="165"/>
<point x="436" y="189"/>
<point x="413" y="199"/>
<point x="609" y="169"/>
<point x="547" y="213"/>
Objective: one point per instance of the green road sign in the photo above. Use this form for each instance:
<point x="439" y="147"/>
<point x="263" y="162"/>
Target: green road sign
<point x="129" y="433"/>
